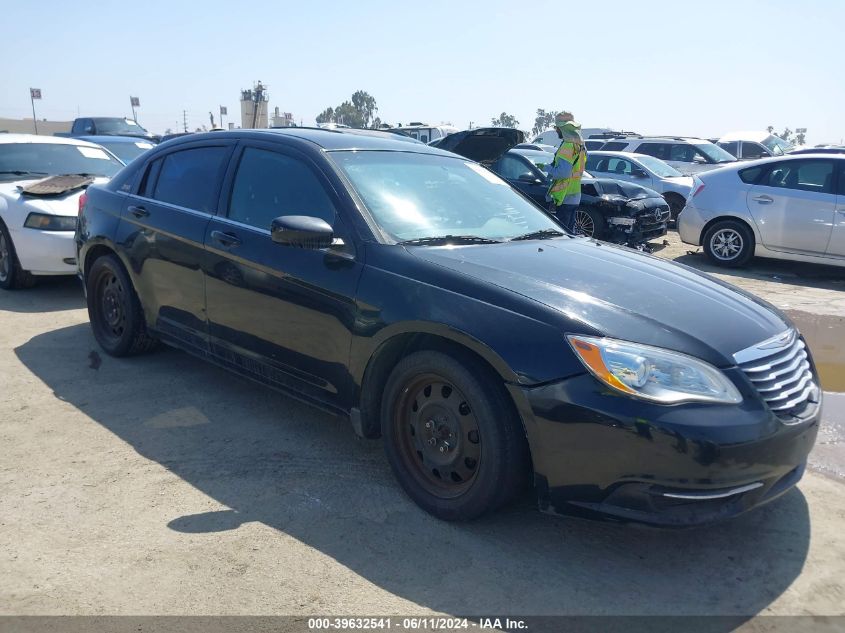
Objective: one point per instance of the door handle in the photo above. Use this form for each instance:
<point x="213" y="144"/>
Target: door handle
<point x="138" y="212"/>
<point x="228" y="240"/>
<point x="763" y="199"/>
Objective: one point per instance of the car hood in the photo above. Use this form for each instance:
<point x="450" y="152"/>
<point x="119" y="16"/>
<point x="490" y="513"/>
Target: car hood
<point x="483" y="145"/>
<point x="621" y="293"/>
<point x="613" y="187"/>
<point x="64" y="204"/>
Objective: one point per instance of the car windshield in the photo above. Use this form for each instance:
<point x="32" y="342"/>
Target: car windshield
<point x="53" y="159"/>
<point x="777" y="146"/>
<point x="127" y="152"/>
<point x="715" y="153"/>
<point x="658" y="167"/>
<point x="413" y="196"/>
<point x="119" y="126"/>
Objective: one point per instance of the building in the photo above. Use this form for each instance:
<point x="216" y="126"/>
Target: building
<point x="284" y="119"/>
<point x="25" y="126"/>
<point x="254" y="105"/>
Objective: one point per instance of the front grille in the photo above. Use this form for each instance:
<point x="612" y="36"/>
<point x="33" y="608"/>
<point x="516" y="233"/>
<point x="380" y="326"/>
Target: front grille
<point x="779" y="368"/>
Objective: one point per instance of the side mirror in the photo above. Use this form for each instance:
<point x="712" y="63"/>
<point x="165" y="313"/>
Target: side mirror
<point x="530" y="179"/>
<point x="639" y="173"/>
<point x="302" y="231"/>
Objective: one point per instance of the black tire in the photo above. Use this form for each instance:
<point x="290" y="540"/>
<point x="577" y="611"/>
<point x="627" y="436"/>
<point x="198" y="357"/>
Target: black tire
<point x="676" y="204"/>
<point x="114" y="309"/>
<point x="452" y="436"/>
<point x="728" y="243"/>
<point x="589" y="222"/>
<point x="12" y="276"/>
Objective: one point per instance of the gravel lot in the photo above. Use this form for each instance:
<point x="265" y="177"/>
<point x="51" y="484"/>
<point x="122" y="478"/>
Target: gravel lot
<point x="163" y="485"/>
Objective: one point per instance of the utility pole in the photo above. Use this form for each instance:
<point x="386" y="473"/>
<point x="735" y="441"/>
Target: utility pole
<point x="34" y="93"/>
<point x="185" y="120"/>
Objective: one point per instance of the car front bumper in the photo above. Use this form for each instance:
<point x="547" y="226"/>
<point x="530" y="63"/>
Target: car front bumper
<point x="45" y="252"/>
<point x="602" y="455"/>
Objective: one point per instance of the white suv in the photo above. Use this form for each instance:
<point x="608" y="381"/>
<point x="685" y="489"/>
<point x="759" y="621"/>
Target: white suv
<point x="687" y="155"/>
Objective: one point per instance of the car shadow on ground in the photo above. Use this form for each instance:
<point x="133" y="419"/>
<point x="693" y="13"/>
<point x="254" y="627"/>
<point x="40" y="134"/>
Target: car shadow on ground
<point x="775" y="270"/>
<point x="270" y="459"/>
<point x="50" y="294"/>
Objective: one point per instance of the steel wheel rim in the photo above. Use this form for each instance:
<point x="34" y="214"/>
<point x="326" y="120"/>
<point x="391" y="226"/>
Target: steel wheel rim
<point x="438" y="435"/>
<point x="111" y="306"/>
<point x="726" y="244"/>
<point x="5" y="258"/>
<point x="584" y="223"/>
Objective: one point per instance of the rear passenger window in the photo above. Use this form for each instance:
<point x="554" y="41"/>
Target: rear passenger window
<point x="804" y="175"/>
<point x="190" y="178"/>
<point x="751" y="175"/>
<point x="731" y="148"/>
<point x="269" y="185"/>
<point x="614" y="146"/>
<point x="658" y="150"/>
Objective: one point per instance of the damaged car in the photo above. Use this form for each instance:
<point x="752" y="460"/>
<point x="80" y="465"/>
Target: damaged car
<point x="42" y="179"/>
<point x="611" y="210"/>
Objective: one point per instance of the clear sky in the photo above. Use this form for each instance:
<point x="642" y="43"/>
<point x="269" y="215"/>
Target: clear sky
<point x="653" y="66"/>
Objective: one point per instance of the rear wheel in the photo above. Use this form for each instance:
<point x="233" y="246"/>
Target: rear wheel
<point x="589" y="222"/>
<point x="728" y="243"/>
<point x="12" y="276"/>
<point x="114" y="309"/>
<point x="452" y="438"/>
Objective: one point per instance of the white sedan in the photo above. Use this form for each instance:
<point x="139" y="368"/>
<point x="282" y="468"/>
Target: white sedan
<point x="791" y="207"/>
<point x="41" y="181"/>
<point x="645" y="171"/>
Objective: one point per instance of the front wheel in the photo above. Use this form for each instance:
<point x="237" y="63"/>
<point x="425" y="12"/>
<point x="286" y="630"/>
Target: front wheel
<point x="728" y="243"/>
<point x="589" y="222"/>
<point x="114" y="309"/>
<point x="12" y="276"/>
<point x="451" y="435"/>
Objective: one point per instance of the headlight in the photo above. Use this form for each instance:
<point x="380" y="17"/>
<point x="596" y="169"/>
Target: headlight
<point x="45" y="222"/>
<point x="652" y="373"/>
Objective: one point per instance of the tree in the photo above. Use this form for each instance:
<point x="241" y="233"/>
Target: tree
<point x="789" y="136"/>
<point x="543" y="121"/>
<point x="505" y="120"/>
<point x="365" y="104"/>
<point x="358" y="112"/>
<point x="326" y="116"/>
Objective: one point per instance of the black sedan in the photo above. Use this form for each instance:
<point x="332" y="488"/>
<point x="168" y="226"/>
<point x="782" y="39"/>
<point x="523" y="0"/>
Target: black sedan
<point x="417" y="293"/>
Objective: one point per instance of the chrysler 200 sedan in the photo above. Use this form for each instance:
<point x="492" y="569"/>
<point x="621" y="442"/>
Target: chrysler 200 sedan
<point x="419" y="294"/>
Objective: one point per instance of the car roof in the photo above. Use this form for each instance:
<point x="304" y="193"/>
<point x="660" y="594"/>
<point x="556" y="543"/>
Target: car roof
<point x="47" y="140"/>
<point x="327" y="139"/>
<point x="104" y="138"/>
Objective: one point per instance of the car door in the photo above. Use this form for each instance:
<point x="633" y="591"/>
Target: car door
<point x="278" y="313"/>
<point x="836" y="246"/>
<point x="161" y="233"/>
<point x="794" y="204"/>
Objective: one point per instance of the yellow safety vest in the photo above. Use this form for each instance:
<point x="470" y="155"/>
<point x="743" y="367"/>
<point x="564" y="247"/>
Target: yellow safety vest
<point x="575" y="155"/>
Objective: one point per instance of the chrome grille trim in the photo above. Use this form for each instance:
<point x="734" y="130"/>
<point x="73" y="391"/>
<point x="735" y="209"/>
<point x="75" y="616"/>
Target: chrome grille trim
<point x="779" y="369"/>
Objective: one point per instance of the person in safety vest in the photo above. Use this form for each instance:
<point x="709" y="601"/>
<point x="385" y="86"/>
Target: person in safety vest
<point x="565" y="171"/>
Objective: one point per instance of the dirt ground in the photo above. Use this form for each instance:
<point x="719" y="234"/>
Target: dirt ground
<point x="163" y="485"/>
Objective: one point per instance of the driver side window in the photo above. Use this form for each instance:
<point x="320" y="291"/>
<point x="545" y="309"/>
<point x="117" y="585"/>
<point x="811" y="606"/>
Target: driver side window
<point x="511" y="168"/>
<point x="268" y="185"/>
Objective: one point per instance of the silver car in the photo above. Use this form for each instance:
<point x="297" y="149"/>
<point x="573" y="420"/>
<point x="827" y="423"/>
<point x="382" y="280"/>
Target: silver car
<point x="645" y="171"/>
<point x="792" y="207"/>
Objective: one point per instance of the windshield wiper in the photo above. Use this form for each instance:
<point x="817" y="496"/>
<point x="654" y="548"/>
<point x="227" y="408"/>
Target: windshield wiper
<point x="539" y="235"/>
<point x="23" y="172"/>
<point x="449" y="239"/>
<point x="82" y="173"/>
